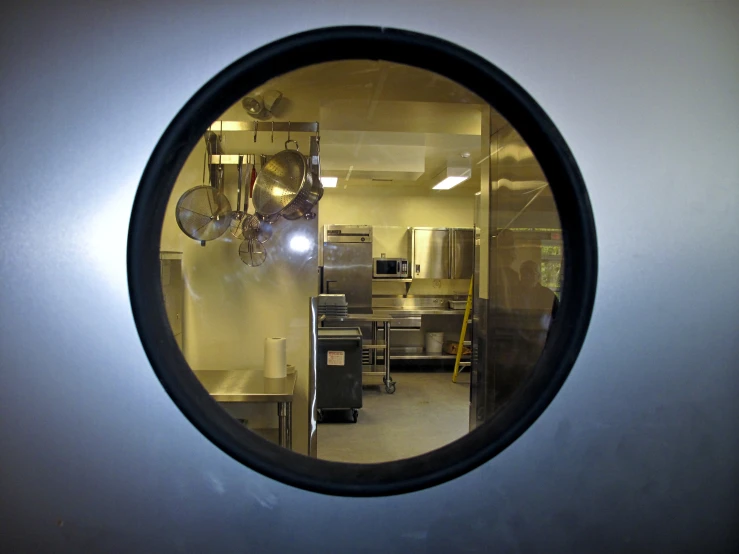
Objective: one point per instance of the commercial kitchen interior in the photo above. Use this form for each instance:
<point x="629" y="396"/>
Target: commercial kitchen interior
<point x="388" y="135"/>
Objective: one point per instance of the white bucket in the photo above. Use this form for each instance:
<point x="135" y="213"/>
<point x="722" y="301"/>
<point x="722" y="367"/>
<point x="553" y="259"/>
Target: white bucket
<point x="434" y="342"/>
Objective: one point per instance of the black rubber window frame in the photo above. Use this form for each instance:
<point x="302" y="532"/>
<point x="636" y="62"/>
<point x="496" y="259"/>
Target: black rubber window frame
<point x="504" y="95"/>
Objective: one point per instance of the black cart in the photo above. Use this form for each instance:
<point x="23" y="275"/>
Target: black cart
<point x="339" y="370"/>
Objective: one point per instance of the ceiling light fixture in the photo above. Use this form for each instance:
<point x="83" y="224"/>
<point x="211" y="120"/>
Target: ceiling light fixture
<point x="329" y="182"/>
<point x="451" y="177"/>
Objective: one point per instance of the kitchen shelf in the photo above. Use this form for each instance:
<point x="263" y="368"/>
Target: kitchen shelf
<point x="425" y="357"/>
<point x="392" y="280"/>
<point x="400" y="313"/>
<point x="265" y="126"/>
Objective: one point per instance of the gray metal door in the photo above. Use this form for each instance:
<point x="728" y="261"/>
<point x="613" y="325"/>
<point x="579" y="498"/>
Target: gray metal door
<point x="431" y="253"/>
<point x="639" y="450"/>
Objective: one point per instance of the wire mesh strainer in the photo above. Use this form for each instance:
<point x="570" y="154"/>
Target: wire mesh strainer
<point x="252" y="253"/>
<point x="203" y="213"/>
<point x="250" y="227"/>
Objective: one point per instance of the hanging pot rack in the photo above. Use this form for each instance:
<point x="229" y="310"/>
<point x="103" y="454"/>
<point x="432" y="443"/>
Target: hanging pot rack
<point x="265" y="126"/>
<point x="270" y="127"/>
<point x="217" y="159"/>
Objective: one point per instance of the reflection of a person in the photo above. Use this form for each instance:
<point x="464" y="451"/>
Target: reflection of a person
<point x="522" y="312"/>
<point x="504" y="326"/>
<point x="535" y="296"/>
<point x="538" y="307"/>
<point x="506" y="278"/>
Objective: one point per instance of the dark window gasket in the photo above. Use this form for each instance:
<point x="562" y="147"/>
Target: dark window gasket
<point x="503" y="94"/>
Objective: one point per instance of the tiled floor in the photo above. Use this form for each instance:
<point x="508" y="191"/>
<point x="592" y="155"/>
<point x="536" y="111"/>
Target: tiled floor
<point x="427" y="411"/>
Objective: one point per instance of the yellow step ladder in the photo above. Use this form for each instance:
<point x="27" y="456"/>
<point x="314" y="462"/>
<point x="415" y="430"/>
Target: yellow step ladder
<point x="460" y="346"/>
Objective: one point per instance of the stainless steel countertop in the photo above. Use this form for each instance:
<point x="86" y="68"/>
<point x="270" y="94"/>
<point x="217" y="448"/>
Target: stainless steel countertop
<point x="361" y="317"/>
<point x="388" y="315"/>
<point x="246" y="385"/>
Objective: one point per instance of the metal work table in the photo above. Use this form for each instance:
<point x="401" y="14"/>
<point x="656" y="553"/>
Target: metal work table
<point x="412" y="313"/>
<point x="375" y="345"/>
<point x="401" y="314"/>
<point x="247" y="386"/>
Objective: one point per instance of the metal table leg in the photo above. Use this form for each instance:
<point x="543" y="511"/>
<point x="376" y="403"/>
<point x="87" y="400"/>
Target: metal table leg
<point x="389" y="383"/>
<point x="374" y="341"/>
<point x="289" y="425"/>
<point x="284" y="424"/>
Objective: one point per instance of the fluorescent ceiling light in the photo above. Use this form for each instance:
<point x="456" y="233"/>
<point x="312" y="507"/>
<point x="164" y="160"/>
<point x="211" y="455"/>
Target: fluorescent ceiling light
<point x="449" y="182"/>
<point x="329" y="182"/>
<point x="451" y="177"/>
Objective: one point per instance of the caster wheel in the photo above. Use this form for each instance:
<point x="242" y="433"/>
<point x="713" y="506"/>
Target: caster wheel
<point x="355" y="415"/>
<point x="390" y="389"/>
<point x="319" y="416"/>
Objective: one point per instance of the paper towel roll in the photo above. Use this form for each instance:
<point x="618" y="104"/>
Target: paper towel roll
<point x="275" y="355"/>
<point x="274" y="386"/>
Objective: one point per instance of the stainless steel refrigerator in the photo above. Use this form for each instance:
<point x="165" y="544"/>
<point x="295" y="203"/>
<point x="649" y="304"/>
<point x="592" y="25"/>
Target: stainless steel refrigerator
<point x="347" y="264"/>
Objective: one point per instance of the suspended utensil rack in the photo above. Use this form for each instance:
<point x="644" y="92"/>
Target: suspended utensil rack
<point x="265" y="126"/>
<point x="217" y="159"/>
<point x="269" y="127"/>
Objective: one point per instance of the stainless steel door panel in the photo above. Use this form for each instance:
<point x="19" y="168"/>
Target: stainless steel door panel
<point x="347" y="270"/>
<point x="430" y="253"/>
<point x="463" y="253"/>
<point x="638" y="452"/>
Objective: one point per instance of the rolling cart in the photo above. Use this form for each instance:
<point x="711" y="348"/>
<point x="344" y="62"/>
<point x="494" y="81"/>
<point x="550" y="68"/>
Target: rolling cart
<point x="373" y="370"/>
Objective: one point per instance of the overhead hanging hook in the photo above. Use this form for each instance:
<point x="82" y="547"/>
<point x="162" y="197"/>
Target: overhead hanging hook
<point x="272" y="138"/>
<point x="256" y="125"/>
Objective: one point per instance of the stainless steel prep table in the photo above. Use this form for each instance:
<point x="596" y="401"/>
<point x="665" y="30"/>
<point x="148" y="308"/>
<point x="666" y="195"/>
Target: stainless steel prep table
<point x="409" y="313"/>
<point x="248" y="386"/>
<point x="375" y="345"/>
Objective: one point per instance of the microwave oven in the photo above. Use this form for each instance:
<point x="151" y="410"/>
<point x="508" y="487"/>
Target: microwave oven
<point x="390" y="268"/>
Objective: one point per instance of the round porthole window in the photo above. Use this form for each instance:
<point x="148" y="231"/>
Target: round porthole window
<point x="362" y="261"/>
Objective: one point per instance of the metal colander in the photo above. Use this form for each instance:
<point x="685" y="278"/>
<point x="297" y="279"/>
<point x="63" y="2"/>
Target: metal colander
<point x="280" y="181"/>
<point x="203" y="213"/>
